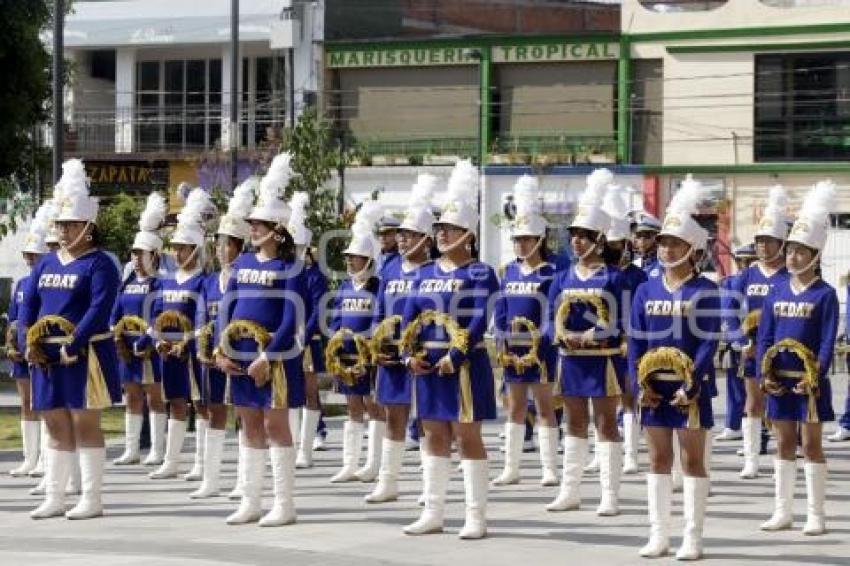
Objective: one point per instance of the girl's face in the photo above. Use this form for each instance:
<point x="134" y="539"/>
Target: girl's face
<point x="799" y="257"/>
<point x="408" y="240"/>
<point x="582" y="241"/>
<point x="259" y="230"/>
<point x="524" y="246"/>
<point x="448" y="235"/>
<point x="387" y="240"/>
<point x="70" y="232"/>
<point x="355" y="264"/>
<point x="672" y="249"/>
<point x="142" y="261"/>
<point x="228" y="249"/>
<point x="643" y="241"/>
<point x="30" y="259"/>
<point x="767" y="247"/>
<point x="182" y="253"/>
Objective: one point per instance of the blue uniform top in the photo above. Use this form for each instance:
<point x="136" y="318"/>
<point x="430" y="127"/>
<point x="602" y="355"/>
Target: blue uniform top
<point x="317" y="286"/>
<point x="354" y="307"/>
<point x="395" y="288"/>
<point x="19" y="369"/>
<point x="186" y="297"/>
<point x="687" y="318"/>
<point x="605" y="283"/>
<point x="271" y="293"/>
<point x="386" y="261"/>
<point x="652" y="268"/>
<point x="809" y="316"/>
<point x="82" y="290"/>
<point x="135" y="298"/>
<point x="755" y="286"/>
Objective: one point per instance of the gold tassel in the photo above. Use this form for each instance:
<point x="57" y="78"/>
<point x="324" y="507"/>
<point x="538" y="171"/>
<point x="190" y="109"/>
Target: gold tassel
<point x="467" y="414"/>
<point x="175" y="319"/>
<point x="386" y="330"/>
<point x="204" y="339"/>
<point x="349" y="374"/>
<point x="458" y="337"/>
<point x="612" y="386"/>
<point x="97" y="393"/>
<point x="563" y="312"/>
<point x="128" y="323"/>
<point x="810" y="370"/>
<point x="280" y="399"/>
<point x="42" y="329"/>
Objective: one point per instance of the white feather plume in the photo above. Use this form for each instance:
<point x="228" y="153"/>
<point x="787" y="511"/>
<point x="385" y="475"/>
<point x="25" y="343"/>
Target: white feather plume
<point x="614" y="203"/>
<point x="40" y="224"/>
<point x="687" y="198"/>
<point x="820" y="201"/>
<point x="777" y="202"/>
<point x="367" y="216"/>
<point x="154" y="213"/>
<point x="423" y="190"/>
<point x="600" y="178"/>
<point x="597" y="184"/>
<point x="242" y="200"/>
<point x="298" y="204"/>
<point x="276" y="178"/>
<point x="73" y="180"/>
<point x="463" y="183"/>
<point x="527" y="195"/>
<point x="197" y="204"/>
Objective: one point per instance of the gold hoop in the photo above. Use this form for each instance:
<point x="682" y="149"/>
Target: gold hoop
<point x="128" y="323"/>
<point x="348" y="373"/>
<point x="42" y="329"/>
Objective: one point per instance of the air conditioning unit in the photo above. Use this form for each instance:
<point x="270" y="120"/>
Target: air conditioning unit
<point x="285" y="34"/>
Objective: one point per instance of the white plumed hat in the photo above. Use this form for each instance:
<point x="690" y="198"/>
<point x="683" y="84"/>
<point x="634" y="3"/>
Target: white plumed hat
<point x="301" y="235"/>
<point x="270" y="205"/>
<point x="363" y="241"/>
<point x="241" y="202"/>
<point x="614" y="205"/>
<point x="39" y="228"/>
<point x="461" y="204"/>
<point x="419" y="216"/>
<point x="679" y="221"/>
<point x="190" y="222"/>
<point x="590" y="215"/>
<point x="773" y="222"/>
<point x="528" y="220"/>
<point x="75" y="203"/>
<point x="812" y="224"/>
<point x="150" y="222"/>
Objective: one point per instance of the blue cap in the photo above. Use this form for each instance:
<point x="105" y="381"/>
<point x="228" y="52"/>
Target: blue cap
<point x="387" y="223"/>
<point x="644" y="221"/>
<point x="745" y="251"/>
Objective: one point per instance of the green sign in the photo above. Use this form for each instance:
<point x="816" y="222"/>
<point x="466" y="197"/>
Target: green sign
<point x="542" y="53"/>
<point x="410" y="57"/>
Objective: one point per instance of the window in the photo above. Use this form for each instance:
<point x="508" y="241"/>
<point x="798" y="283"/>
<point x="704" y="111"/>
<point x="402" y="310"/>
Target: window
<point x="802" y="107"/>
<point x="668" y="6"/>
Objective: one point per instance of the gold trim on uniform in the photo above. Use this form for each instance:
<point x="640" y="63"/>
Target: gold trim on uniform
<point x="808" y="377"/>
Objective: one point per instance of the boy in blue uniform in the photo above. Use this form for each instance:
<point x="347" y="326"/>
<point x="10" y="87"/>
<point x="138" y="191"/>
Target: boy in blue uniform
<point x="140" y="368"/>
<point x="394" y="384"/>
<point x="454" y="384"/>
<point x="796" y="339"/>
<point x="755" y="285"/>
<point x="34" y="249"/>
<point x="78" y="284"/>
<point x="645" y="230"/>
<point x="585" y="325"/>
<point x="522" y="301"/>
<point x="675" y="324"/>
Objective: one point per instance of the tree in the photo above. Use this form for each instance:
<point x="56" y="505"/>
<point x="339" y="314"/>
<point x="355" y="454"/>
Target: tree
<point x="315" y="158"/>
<point x="24" y="93"/>
<point x="118" y="222"/>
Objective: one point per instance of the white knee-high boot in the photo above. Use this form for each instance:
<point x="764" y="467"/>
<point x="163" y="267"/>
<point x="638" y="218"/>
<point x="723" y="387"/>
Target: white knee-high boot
<point x="575" y="453"/>
<point x="308" y="434"/>
<point x="283" y="486"/>
<point x="29" y="437"/>
<point x="593" y="465"/>
<point x="158" y="423"/>
<point x="75" y="481"/>
<point x="784" y="474"/>
<point x="57" y="470"/>
<point x="475" y="480"/>
<point x="197" y="471"/>
<point x="91" y="471"/>
<point x="815" y="496"/>
<point x="132" y="431"/>
<point x="250" y="507"/>
<point x="211" y="484"/>
<point x="387" y="487"/>
<point x="631" y="443"/>
<point x="377" y="430"/>
<point x="236" y="492"/>
<point x="514" y="434"/>
<point x="610" y="467"/>
<point x="751" y="429"/>
<point x="43" y="445"/>
<point x="173" y="446"/>
<point x="435" y="481"/>
<point x="548" y="437"/>
<point x="694" y="499"/>
<point x="352" y="443"/>
<point x="659" y="493"/>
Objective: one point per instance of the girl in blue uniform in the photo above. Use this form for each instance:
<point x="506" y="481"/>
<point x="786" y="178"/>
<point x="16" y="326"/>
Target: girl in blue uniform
<point x="260" y="337"/>
<point x="176" y="315"/>
<point x="233" y="232"/>
<point x="675" y="324"/>
<point x="618" y="253"/>
<point x="796" y="339"/>
<point x="79" y="283"/>
<point x="453" y="377"/>
<point x="585" y="326"/>
<point x="523" y="293"/>
<point x="756" y="284"/>
<point x="394" y="384"/>
<point x="140" y="368"/>
<point x="353" y="311"/>
<point x="34" y="249"/>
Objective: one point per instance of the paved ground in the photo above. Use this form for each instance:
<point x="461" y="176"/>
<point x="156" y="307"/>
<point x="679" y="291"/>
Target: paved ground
<point x="155" y="523"/>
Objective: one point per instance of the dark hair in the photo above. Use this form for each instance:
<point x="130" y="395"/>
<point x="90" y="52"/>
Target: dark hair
<point x="285" y="243"/>
<point x="96" y="236"/>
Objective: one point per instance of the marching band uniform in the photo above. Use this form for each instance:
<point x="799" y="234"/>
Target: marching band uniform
<point x="231" y="225"/>
<point x="182" y="298"/>
<point x="589" y="372"/>
<point x="353" y="310"/>
<point x="140" y="366"/>
<point x="523" y="293"/>
<point x="646" y="222"/>
<point x="685" y="321"/>
<point x="81" y="372"/>
<point x="282" y="317"/>
<point x="808" y="317"/>
<point x="842" y="431"/>
<point x="30" y="429"/>
<point x="394" y="384"/>
<point x="756" y="285"/>
<point x="468" y="394"/>
<point x="631" y="276"/>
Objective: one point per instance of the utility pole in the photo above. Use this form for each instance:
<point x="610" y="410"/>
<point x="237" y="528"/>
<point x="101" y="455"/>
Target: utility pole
<point x="58" y="87"/>
<point x="234" y="92"/>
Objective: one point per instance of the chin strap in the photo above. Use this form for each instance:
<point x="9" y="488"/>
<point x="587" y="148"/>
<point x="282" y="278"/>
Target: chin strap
<point x="777" y="255"/>
<point x="359" y="275"/>
<point x="188" y="259"/>
<point x="415" y="248"/>
<point x="452" y="247"/>
<point x="808" y="266"/>
<point x="678" y="262"/>
<point x="591" y="250"/>
<point x="78" y="239"/>
<point x="533" y="250"/>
